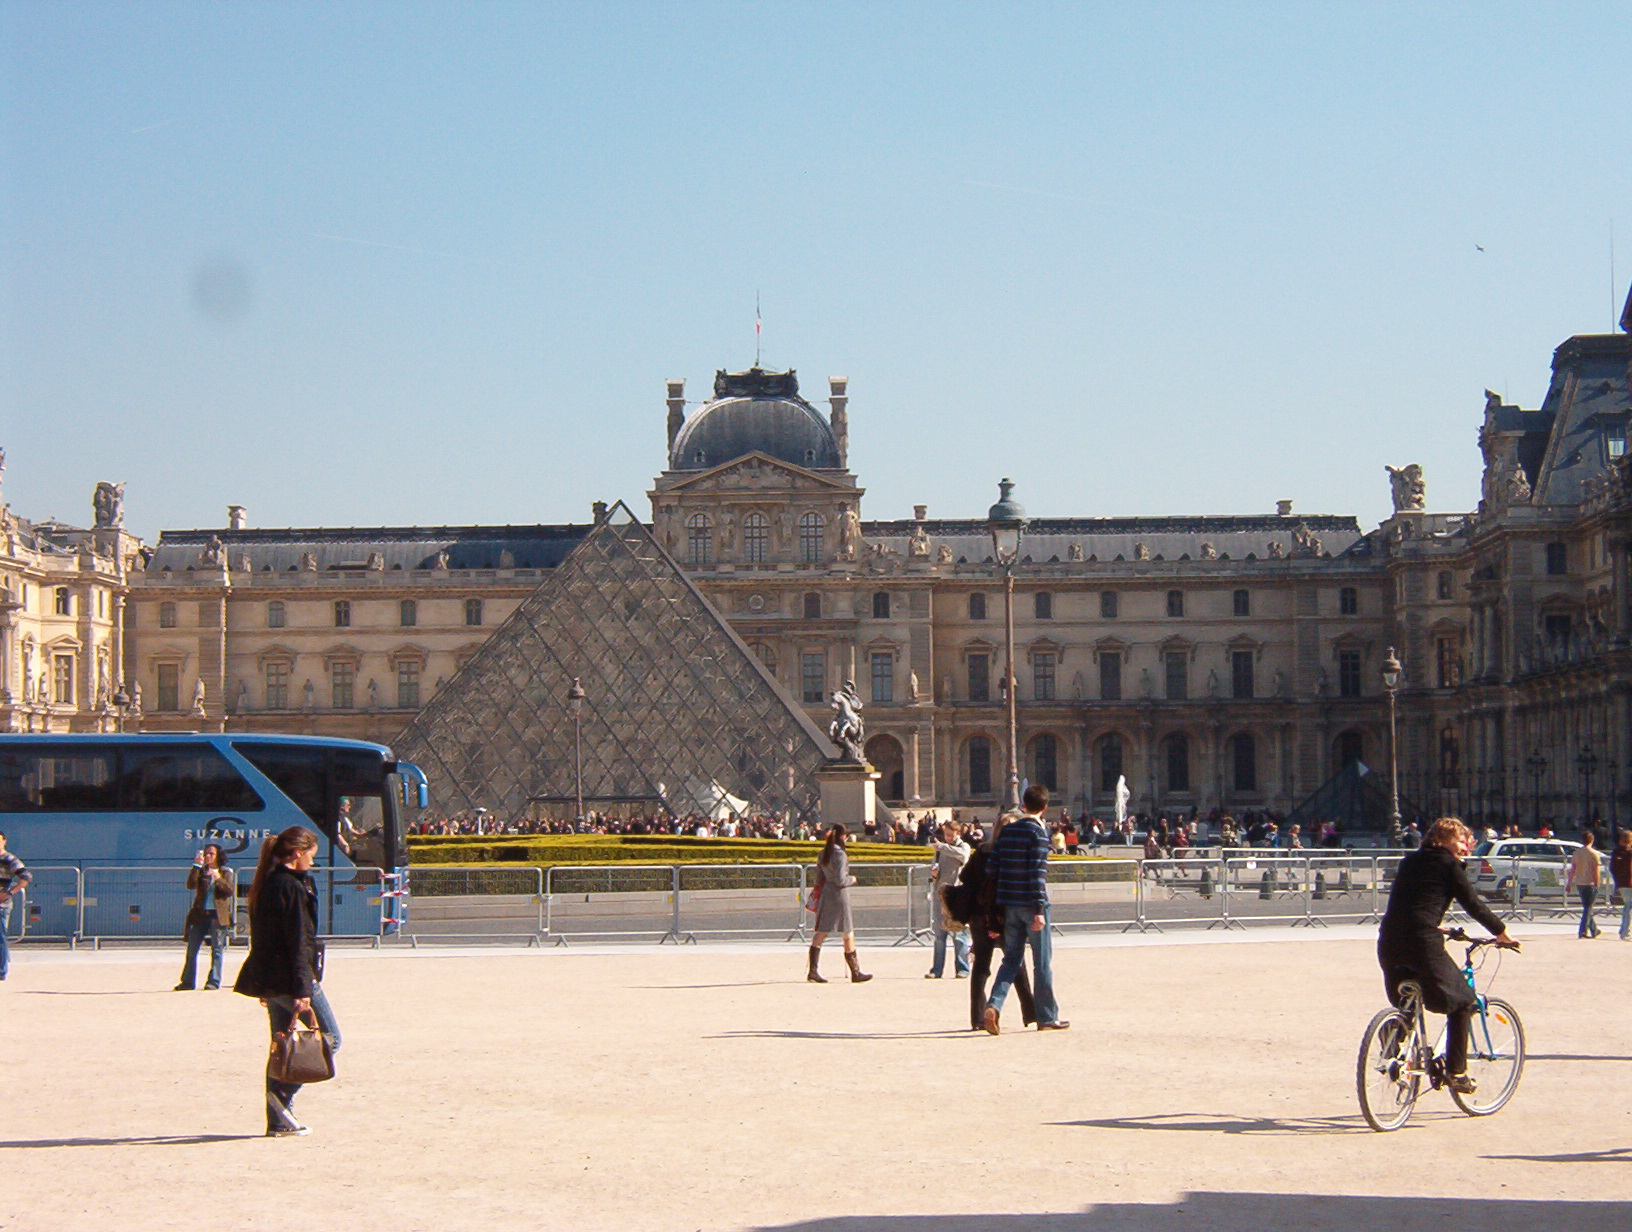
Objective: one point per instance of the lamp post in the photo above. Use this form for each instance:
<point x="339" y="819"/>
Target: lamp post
<point x="1586" y="761"/>
<point x="1391" y="683"/>
<point x="1536" y="764"/>
<point x="1006" y="520"/>
<point x="575" y="703"/>
<point x="1612" y="771"/>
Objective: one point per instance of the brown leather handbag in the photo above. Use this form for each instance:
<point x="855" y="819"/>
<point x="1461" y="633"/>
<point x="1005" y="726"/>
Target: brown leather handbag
<point x="301" y="1054"/>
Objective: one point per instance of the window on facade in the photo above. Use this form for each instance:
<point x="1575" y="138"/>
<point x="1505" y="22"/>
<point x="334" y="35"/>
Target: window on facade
<point x="1241" y="673"/>
<point x="813" y="606"/>
<point x="1045" y="761"/>
<point x="275" y="614"/>
<point x="1348" y="673"/>
<point x="767" y="656"/>
<point x="1348" y="601"/>
<point x="810" y="538"/>
<point x="1615" y="440"/>
<point x="1110" y="675"/>
<point x="1177" y="756"/>
<point x="1107" y="605"/>
<point x="812" y="677"/>
<point x="1175" y="603"/>
<point x="1176" y="664"/>
<point x="1244" y="755"/>
<point x="1443" y="585"/>
<point x="1351" y="747"/>
<point x="342" y="613"/>
<point x="977" y="607"/>
<point x="883" y="663"/>
<point x="473" y="611"/>
<point x="1242" y="602"/>
<point x="699" y="543"/>
<point x="277" y="686"/>
<point x="756" y="538"/>
<point x="1042" y="675"/>
<point x="169" y="690"/>
<point x="65" y="601"/>
<point x="1555" y="627"/>
<point x="1558" y="559"/>
<point x="167" y="615"/>
<point x="408" y="613"/>
<point x="980" y="766"/>
<point x="1042" y="605"/>
<point x="1110" y="761"/>
<point x="62" y="678"/>
<point x="407" y="684"/>
<point x="1447" y="663"/>
<point x="342" y="685"/>
<point x="980" y="678"/>
<point x="1450" y="758"/>
<point x="881" y="605"/>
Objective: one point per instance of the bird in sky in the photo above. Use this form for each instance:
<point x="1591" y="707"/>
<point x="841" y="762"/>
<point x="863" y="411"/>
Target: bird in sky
<point x="1480" y="247"/>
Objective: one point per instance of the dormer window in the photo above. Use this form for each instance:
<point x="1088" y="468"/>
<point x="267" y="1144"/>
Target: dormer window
<point x="810" y="457"/>
<point x="701" y="457"/>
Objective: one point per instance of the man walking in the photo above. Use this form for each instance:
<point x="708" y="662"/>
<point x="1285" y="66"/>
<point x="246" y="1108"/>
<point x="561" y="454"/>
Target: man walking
<point x="1022" y="894"/>
<point x="13" y="877"/>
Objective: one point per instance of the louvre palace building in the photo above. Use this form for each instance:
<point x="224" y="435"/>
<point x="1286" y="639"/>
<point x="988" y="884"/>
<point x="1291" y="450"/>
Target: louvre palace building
<point x="1215" y="661"/>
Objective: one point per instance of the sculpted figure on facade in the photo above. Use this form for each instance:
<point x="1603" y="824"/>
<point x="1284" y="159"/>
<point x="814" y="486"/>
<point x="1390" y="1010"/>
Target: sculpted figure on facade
<point x="849" y="533"/>
<point x="376" y="562"/>
<point x="1074" y="552"/>
<point x="308" y="563"/>
<point x="1147" y="686"/>
<point x="1304" y="541"/>
<point x="784" y="529"/>
<point x="1409" y="489"/>
<point x="918" y="545"/>
<point x="728" y="533"/>
<point x="308" y="695"/>
<point x="943" y="554"/>
<point x="1141" y="551"/>
<point x="198" y="698"/>
<point x="1212" y="683"/>
<point x="846" y="729"/>
<point x="1209" y="552"/>
<point x="1276" y="551"/>
<point x="109" y="505"/>
<point x="912" y="686"/>
<point x="373" y="693"/>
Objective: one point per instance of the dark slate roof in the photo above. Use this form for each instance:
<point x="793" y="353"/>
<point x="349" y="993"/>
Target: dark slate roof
<point x="755" y="411"/>
<point x="399" y="547"/>
<point x="1104" y="539"/>
<point x="1590" y="392"/>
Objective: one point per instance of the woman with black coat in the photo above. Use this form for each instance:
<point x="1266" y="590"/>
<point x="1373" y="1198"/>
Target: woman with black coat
<point x="285" y="964"/>
<point x="986" y="930"/>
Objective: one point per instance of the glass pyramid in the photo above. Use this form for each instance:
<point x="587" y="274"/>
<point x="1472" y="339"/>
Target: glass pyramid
<point x="677" y="711"/>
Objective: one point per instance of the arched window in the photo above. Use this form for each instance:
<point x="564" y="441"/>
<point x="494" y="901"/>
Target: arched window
<point x="1109" y="751"/>
<point x="1176" y="757"/>
<point x="699" y="543"/>
<point x="980" y="766"/>
<point x="756" y="535"/>
<point x="1244" y="755"/>
<point x="977" y="607"/>
<point x="1045" y="761"/>
<point x="810" y="538"/>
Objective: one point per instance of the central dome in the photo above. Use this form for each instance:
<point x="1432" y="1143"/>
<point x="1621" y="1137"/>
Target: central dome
<point x="755" y="412"/>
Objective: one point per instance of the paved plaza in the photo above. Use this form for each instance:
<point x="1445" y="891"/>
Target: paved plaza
<point x="1207" y="1082"/>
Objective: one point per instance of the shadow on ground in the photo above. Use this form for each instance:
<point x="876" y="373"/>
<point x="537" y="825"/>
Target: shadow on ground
<point x="1224" y="1212"/>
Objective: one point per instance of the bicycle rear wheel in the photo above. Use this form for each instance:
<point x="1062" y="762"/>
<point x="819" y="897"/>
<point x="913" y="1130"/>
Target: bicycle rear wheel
<point x="1495" y="1059"/>
<point x="1386" y="1083"/>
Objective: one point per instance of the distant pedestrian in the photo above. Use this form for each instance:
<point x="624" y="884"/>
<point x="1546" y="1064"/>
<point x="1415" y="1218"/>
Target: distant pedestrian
<point x="986" y="930"/>
<point x="1584" y="876"/>
<point x="833" y="882"/>
<point x="1022" y="891"/>
<point x="951" y="854"/>
<point x="215" y="889"/>
<point x="1620" y="867"/>
<point x="14" y="877"/>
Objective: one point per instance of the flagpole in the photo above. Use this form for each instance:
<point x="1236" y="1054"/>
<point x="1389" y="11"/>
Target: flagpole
<point x="756" y="329"/>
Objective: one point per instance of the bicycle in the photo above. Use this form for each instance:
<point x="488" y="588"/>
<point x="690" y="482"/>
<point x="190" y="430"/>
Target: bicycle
<point x="1395" y="1056"/>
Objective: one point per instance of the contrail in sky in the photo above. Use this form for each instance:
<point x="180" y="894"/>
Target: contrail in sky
<point x="148" y="128"/>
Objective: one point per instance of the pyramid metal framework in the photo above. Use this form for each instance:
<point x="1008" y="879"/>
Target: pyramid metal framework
<point x="677" y="705"/>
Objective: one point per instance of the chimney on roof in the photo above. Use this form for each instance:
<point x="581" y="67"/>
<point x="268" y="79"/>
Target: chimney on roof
<point x="237" y="517"/>
<point x="920" y="512"/>
<point x="839" y="400"/>
<point x="598" y="510"/>
<point x="677" y="409"/>
<point x="1284" y="508"/>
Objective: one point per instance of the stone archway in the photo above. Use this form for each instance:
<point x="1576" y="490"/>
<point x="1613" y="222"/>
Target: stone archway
<point x="886" y="755"/>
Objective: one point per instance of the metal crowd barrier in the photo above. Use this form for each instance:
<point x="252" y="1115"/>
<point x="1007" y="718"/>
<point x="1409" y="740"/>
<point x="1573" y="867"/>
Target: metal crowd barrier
<point x="508" y="903"/>
<point x="609" y="901"/>
<point x="711" y="899"/>
<point x="47" y="908"/>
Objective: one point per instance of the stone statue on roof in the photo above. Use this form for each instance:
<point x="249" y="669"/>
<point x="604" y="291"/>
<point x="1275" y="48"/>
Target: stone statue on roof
<point x="1409" y="489"/>
<point x="109" y="505"/>
<point x="918" y="545"/>
<point x="849" y="533"/>
<point x="943" y="554"/>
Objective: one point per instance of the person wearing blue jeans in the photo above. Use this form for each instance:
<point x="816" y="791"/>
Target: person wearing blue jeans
<point x="1021" y="853"/>
<point x="14" y="875"/>
<point x="214" y="887"/>
<point x="1584" y="877"/>
<point x="951" y="854"/>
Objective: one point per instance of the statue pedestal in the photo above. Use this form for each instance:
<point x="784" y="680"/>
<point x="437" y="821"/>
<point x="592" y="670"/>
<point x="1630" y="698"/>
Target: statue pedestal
<point x="849" y="793"/>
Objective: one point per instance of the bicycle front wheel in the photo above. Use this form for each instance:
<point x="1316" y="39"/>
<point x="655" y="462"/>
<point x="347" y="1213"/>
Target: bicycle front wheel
<point x="1384" y="1077"/>
<point x="1495" y="1059"/>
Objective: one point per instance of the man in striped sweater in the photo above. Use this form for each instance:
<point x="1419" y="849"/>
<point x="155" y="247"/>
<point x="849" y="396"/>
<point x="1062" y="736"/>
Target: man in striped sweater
<point x="1021" y="856"/>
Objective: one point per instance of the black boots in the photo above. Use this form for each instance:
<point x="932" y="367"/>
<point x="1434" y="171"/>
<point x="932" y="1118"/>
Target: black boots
<point x="813" y="975"/>
<point x="857" y="976"/>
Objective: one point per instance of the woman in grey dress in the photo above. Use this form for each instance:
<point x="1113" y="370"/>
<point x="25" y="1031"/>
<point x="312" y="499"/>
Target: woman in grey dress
<point x="833" y="881"/>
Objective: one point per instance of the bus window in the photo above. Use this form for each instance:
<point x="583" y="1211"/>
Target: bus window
<point x="57" y="779"/>
<point x="361" y="832"/>
<point x="180" y="778"/>
<point x="296" y="770"/>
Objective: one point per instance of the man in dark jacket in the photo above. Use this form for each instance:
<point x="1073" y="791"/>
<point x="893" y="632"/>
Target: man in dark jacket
<point x="1411" y="947"/>
<point x="1021" y="853"/>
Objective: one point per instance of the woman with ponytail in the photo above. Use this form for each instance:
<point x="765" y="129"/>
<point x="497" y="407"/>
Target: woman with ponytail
<point x="285" y="964"/>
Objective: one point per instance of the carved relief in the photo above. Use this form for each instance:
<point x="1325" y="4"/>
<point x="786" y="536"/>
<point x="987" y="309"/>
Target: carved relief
<point x="1409" y="489"/>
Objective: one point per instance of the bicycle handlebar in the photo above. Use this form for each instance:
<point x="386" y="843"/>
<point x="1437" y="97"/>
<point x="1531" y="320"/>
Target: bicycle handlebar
<point x="1474" y="943"/>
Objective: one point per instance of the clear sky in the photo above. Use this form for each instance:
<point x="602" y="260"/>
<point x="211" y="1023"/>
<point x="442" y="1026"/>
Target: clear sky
<point x="401" y="263"/>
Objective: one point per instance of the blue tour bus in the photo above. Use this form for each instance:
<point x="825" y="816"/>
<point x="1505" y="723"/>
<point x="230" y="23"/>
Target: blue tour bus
<point x="131" y="811"/>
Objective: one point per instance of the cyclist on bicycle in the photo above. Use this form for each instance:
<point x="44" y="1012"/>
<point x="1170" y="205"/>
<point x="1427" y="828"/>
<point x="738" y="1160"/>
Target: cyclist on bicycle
<point x="1411" y="947"/>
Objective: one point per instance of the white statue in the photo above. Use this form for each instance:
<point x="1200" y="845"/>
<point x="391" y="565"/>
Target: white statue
<point x="849" y="533"/>
<point x="912" y="686"/>
<point x="1409" y="490"/>
<point x="918" y="545"/>
<point x="198" y="698"/>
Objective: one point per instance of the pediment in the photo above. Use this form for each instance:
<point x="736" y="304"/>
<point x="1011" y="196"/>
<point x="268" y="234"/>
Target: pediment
<point x="758" y="472"/>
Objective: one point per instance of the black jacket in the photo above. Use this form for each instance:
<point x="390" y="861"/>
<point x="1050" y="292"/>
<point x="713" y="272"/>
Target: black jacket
<point x="1428" y="881"/>
<point x="283" y="954"/>
<point x="980" y="871"/>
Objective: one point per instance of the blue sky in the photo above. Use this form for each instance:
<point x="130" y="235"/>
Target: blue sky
<point x="396" y="263"/>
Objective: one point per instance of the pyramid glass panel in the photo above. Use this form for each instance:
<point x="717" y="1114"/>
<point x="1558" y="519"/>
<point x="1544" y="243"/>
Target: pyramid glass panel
<point x="676" y="708"/>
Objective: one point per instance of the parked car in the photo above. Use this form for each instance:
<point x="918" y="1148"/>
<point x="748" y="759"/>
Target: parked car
<point x="1540" y="862"/>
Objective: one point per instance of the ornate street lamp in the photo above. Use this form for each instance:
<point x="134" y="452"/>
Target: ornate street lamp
<point x="1391" y="683"/>
<point x="575" y="703"/>
<point x="1536" y="764"/>
<point x="1006" y="520"/>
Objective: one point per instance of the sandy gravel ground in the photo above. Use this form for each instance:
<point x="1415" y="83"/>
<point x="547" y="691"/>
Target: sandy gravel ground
<point x="1206" y="1083"/>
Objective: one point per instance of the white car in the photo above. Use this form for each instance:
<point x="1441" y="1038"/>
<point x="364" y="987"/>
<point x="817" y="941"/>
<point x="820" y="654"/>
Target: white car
<point x="1538" y="863"/>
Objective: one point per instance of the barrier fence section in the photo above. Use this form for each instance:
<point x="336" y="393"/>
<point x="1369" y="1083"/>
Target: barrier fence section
<point x="475" y="902"/>
<point x="1089" y="894"/>
<point x="1181" y="891"/>
<point x="47" y="908"/>
<point x="122" y="904"/>
<point x="612" y="900"/>
<point x="741" y="900"/>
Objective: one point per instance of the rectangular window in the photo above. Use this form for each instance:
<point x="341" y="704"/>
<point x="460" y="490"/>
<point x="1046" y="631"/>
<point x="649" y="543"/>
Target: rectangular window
<point x="1615" y="440"/>
<point x="980" y="678"/>
<point x="1110" y="675"/>
<point x="1175" y="603"/>
<point x="342" y="613"/>
<point x="1107" y="605"/>
<point x="1242" y="600"/>
<point x="813" y="606"/>
<point x="169" y="692"/>
<point x="277" y="686"/>
<point x="1348" y="673"/>
<point x="408" y="613"/>
<point x="977" y="607"/>
<point x="1177" y="664"/>
<point x="883" y="676"/>
<point x="1348" y="601"/>
<point x="1555" y="627"/>
<point x="810" y="539"/>
<point x="473" y="611"/>
<point x="812" y="677"/>
<point x="1558" y="559"/>
<point x="275" y="614"/>
<point x="65" y="601"/>
<point x="698" y="539"/>
<point x="167" y="615"/>
<point x="1241" y="673"/>
<point x="1444" y="584"/>
<point x="1447" y="663"/>
<point x="62" y="672"/>
<point x="407" y="684"/>
<point x="1042" y="676"/>
<point x="881" y="605"/>
<point x="1042" y="605"/>
<point x="342" y="685"/>
<point x="756" y="534"/>
<point x="1246" y="763"/>
<point x="980" y="766"/>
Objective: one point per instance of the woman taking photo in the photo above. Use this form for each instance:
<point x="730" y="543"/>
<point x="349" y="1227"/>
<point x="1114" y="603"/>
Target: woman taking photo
<point x="833" y="882"/>
<point x="210" y="915"/>
<point x="285" y="963"/>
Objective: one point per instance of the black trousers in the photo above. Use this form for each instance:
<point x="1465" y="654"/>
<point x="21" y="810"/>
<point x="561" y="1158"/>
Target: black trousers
<point x="981" y="946"/>
<point x="1444" y="990"/>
